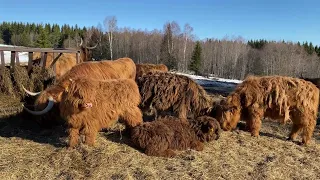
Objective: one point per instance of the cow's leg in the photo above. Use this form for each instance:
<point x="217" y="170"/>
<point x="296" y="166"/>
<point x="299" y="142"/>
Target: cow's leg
<point x="133" y="116"/>
<point x="182" y="112"/>
<point x="90" y="135"/>
<point x="197" y="145"/>
<point x="296" y="128"/>
<point x="153" y="150"/>
<point x="308" y="128"/>
<point x="254" y="120"/>
<point x="73" y="137"/>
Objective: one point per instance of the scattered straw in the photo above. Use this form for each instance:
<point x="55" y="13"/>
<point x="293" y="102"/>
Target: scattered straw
<point x="236" y="155"/>
<point x="6" y="85"/>
<point x="9" y="106"/>
<point x="11" y="84"/>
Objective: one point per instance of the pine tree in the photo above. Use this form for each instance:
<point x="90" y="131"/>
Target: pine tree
<point x="195" y="64"/>
<point x="43" y="39"/>
<point x="25" y="39"/>
<point x="166" y="49"/>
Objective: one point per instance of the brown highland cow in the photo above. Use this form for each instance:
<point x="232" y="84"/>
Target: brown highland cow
<point x="166" y="134"/>
<point x="91" y="105"/>
<point x="276" y="97"/>
<point x="67" y="60"/>
<point x="100" y="70"/>
<point x="143" y="69"/>
<point x="162" y="92"/>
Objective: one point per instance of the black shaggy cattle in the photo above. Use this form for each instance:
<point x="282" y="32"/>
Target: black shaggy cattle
<point x="163" y="92"/>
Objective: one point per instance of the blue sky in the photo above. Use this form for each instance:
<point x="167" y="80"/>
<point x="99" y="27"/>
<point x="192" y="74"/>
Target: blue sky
<point x="291" y="20"/>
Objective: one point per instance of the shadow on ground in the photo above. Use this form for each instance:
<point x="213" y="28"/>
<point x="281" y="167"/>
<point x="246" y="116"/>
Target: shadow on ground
<point x="22" y="126"/>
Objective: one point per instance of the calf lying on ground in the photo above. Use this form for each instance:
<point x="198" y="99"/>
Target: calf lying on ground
<point x="165" y="134"/>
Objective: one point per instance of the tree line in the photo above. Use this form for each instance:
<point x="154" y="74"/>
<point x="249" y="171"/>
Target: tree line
<point x="175" y="46"/>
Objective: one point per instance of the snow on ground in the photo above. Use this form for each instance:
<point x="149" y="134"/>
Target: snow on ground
<point x="201" y="78"/>
<point x="23" y="56"/>
<point x="214" y="84"/>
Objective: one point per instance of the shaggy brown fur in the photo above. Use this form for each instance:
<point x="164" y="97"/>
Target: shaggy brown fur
<point x="276" y="97"/>
<point x="172" y="92"/>
<point x="166" y="134"/>
<point x="143" y="69"/>
<point x="315" y="81"/>
<point x="65" y="62"/>
<point x="100" y="70"/>
<point x="90" y="105"/>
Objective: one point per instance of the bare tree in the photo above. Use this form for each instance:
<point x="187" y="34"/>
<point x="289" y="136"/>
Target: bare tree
<point x="110" y="24"/>
<point x="186" y="35"/>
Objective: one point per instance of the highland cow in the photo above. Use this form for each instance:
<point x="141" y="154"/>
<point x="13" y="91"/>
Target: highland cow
<point x="166" y="134"/>
<point x="143" y="69"/>
<point x="276" y="97"/>
<point x="315" y="81"/>
<point x="67" y="60"/>
<point x="163" y="92"/>
<point x="91" y="105"/>
<point x="100" y="70"/>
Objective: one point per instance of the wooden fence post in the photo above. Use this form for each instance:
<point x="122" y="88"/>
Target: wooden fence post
<point x="30" y="58"/>
<point x="13" y="62"/>
<point x="3" y="64"/>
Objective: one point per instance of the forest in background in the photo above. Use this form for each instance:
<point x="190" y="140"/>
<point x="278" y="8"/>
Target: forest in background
<point x="175" y="46"/>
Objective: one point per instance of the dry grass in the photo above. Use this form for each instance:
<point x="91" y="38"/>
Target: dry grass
<point x="9" y="105"/>
<point x="11" y="83"/>
<point x="11" y="87"/>
<point x="236" y="155"/>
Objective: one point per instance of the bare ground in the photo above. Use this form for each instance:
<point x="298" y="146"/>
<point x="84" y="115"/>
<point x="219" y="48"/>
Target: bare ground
<point x="25" y="154"/>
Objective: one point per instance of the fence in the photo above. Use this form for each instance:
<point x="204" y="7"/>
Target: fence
<point x="57" y="52"/>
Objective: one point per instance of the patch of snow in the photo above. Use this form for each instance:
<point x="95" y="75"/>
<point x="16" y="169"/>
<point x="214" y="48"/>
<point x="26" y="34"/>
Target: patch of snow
<point x="204" y="80"/>
<point x="23" y="56"/>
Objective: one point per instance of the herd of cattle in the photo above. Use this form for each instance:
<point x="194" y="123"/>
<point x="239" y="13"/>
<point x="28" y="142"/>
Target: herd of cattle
<point x="94" y="95"/>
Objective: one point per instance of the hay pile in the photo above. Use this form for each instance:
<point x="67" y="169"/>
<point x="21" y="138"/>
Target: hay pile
<point x="236" y="155"/>
<point x="11" y="86"/>
<point x="9" y="105"/>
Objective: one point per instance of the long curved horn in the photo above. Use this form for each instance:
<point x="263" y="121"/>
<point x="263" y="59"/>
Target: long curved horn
<point x="30" y="93"/>
<point x="93" y="46"/>
<point x="81" y="42"/>
<point x="47" y="109"/>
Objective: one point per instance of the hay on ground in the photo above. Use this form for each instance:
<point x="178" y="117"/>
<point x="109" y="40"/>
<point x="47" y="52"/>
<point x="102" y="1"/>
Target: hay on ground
<point x="11" y="83"/>
<point x="9" y="106"/>
<point x="236" y="155"/>
<point x="6" y="85"/>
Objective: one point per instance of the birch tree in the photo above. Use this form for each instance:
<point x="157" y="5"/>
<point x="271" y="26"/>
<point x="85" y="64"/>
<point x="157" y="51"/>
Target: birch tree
<point x="186" y="36"/>
<point x="110" y="24"/>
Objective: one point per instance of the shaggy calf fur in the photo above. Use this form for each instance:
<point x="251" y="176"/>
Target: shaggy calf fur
<point x="163" y="92"/>
<point x="100" y="70"/>
<point x="143" y="69"/>
<point x="166" y="134"/>
<point x="91" y="105"/>
<point x="277" y="97"/>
